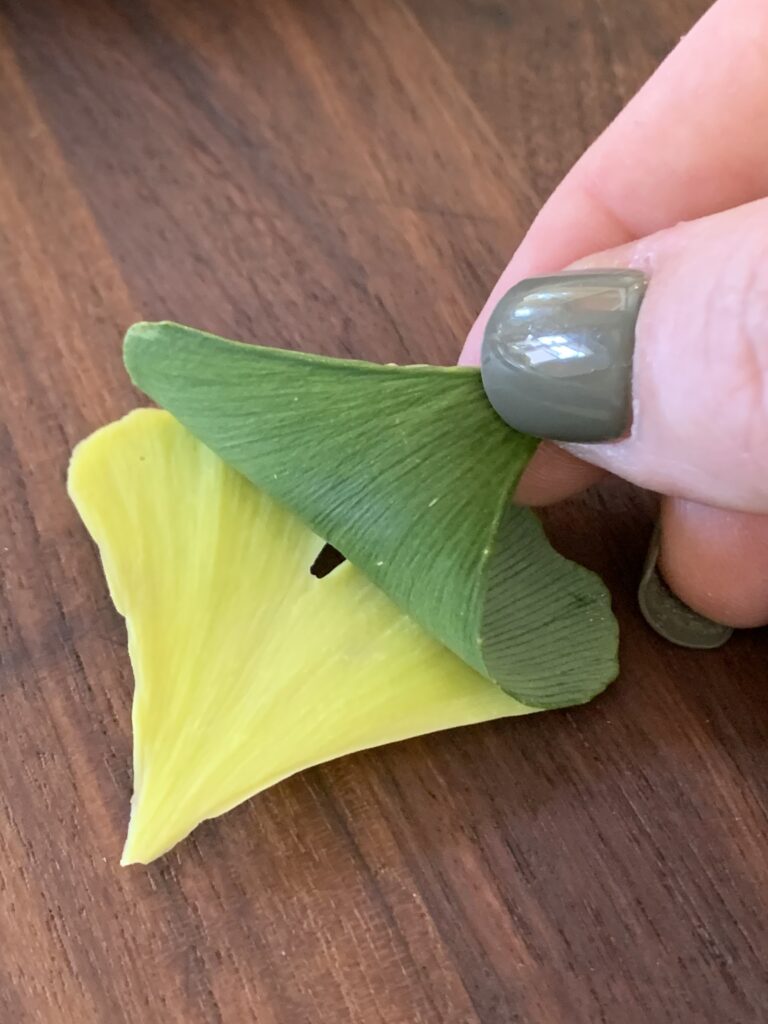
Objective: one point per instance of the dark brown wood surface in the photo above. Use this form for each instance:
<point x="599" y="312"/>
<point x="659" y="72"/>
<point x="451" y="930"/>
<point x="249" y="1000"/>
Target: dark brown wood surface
<point x="348" y="175"/>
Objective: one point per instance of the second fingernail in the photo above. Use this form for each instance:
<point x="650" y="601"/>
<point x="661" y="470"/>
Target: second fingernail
<point x="667" y="614"/>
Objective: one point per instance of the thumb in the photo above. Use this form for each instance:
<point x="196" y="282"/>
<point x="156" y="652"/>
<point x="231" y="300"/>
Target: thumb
<point x="679" y="373"/>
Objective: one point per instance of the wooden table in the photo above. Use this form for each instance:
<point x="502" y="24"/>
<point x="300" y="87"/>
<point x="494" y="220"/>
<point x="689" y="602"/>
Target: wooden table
<point x="349" y="175"/>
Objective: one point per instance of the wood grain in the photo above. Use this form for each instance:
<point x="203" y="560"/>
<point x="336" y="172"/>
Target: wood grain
<point x="349" y="176"/>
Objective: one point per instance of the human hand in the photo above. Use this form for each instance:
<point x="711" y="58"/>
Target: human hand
<point x="684" y="169"/>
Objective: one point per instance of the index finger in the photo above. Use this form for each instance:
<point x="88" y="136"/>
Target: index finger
<point x="693" y="141"/>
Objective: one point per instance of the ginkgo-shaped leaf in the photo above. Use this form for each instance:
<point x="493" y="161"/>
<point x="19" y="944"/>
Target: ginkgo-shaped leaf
<point x="247" y="667"/>
<point x="409" y="472"/>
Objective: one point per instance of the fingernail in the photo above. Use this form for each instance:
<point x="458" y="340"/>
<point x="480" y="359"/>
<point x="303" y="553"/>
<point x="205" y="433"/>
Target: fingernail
<point x="557" y="354"/>
<point x="668" y="615"/>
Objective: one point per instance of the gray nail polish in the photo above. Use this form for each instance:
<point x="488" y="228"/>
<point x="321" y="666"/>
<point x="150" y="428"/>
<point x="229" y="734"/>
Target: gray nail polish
<point x="557" y="354"/>
<point x="668" y="615"/>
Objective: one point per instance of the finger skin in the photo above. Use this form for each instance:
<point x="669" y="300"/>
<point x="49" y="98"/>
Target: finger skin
<point x="716" y="561"/>
<point x="553" y="475"/>
<point x="700" y="369"/>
